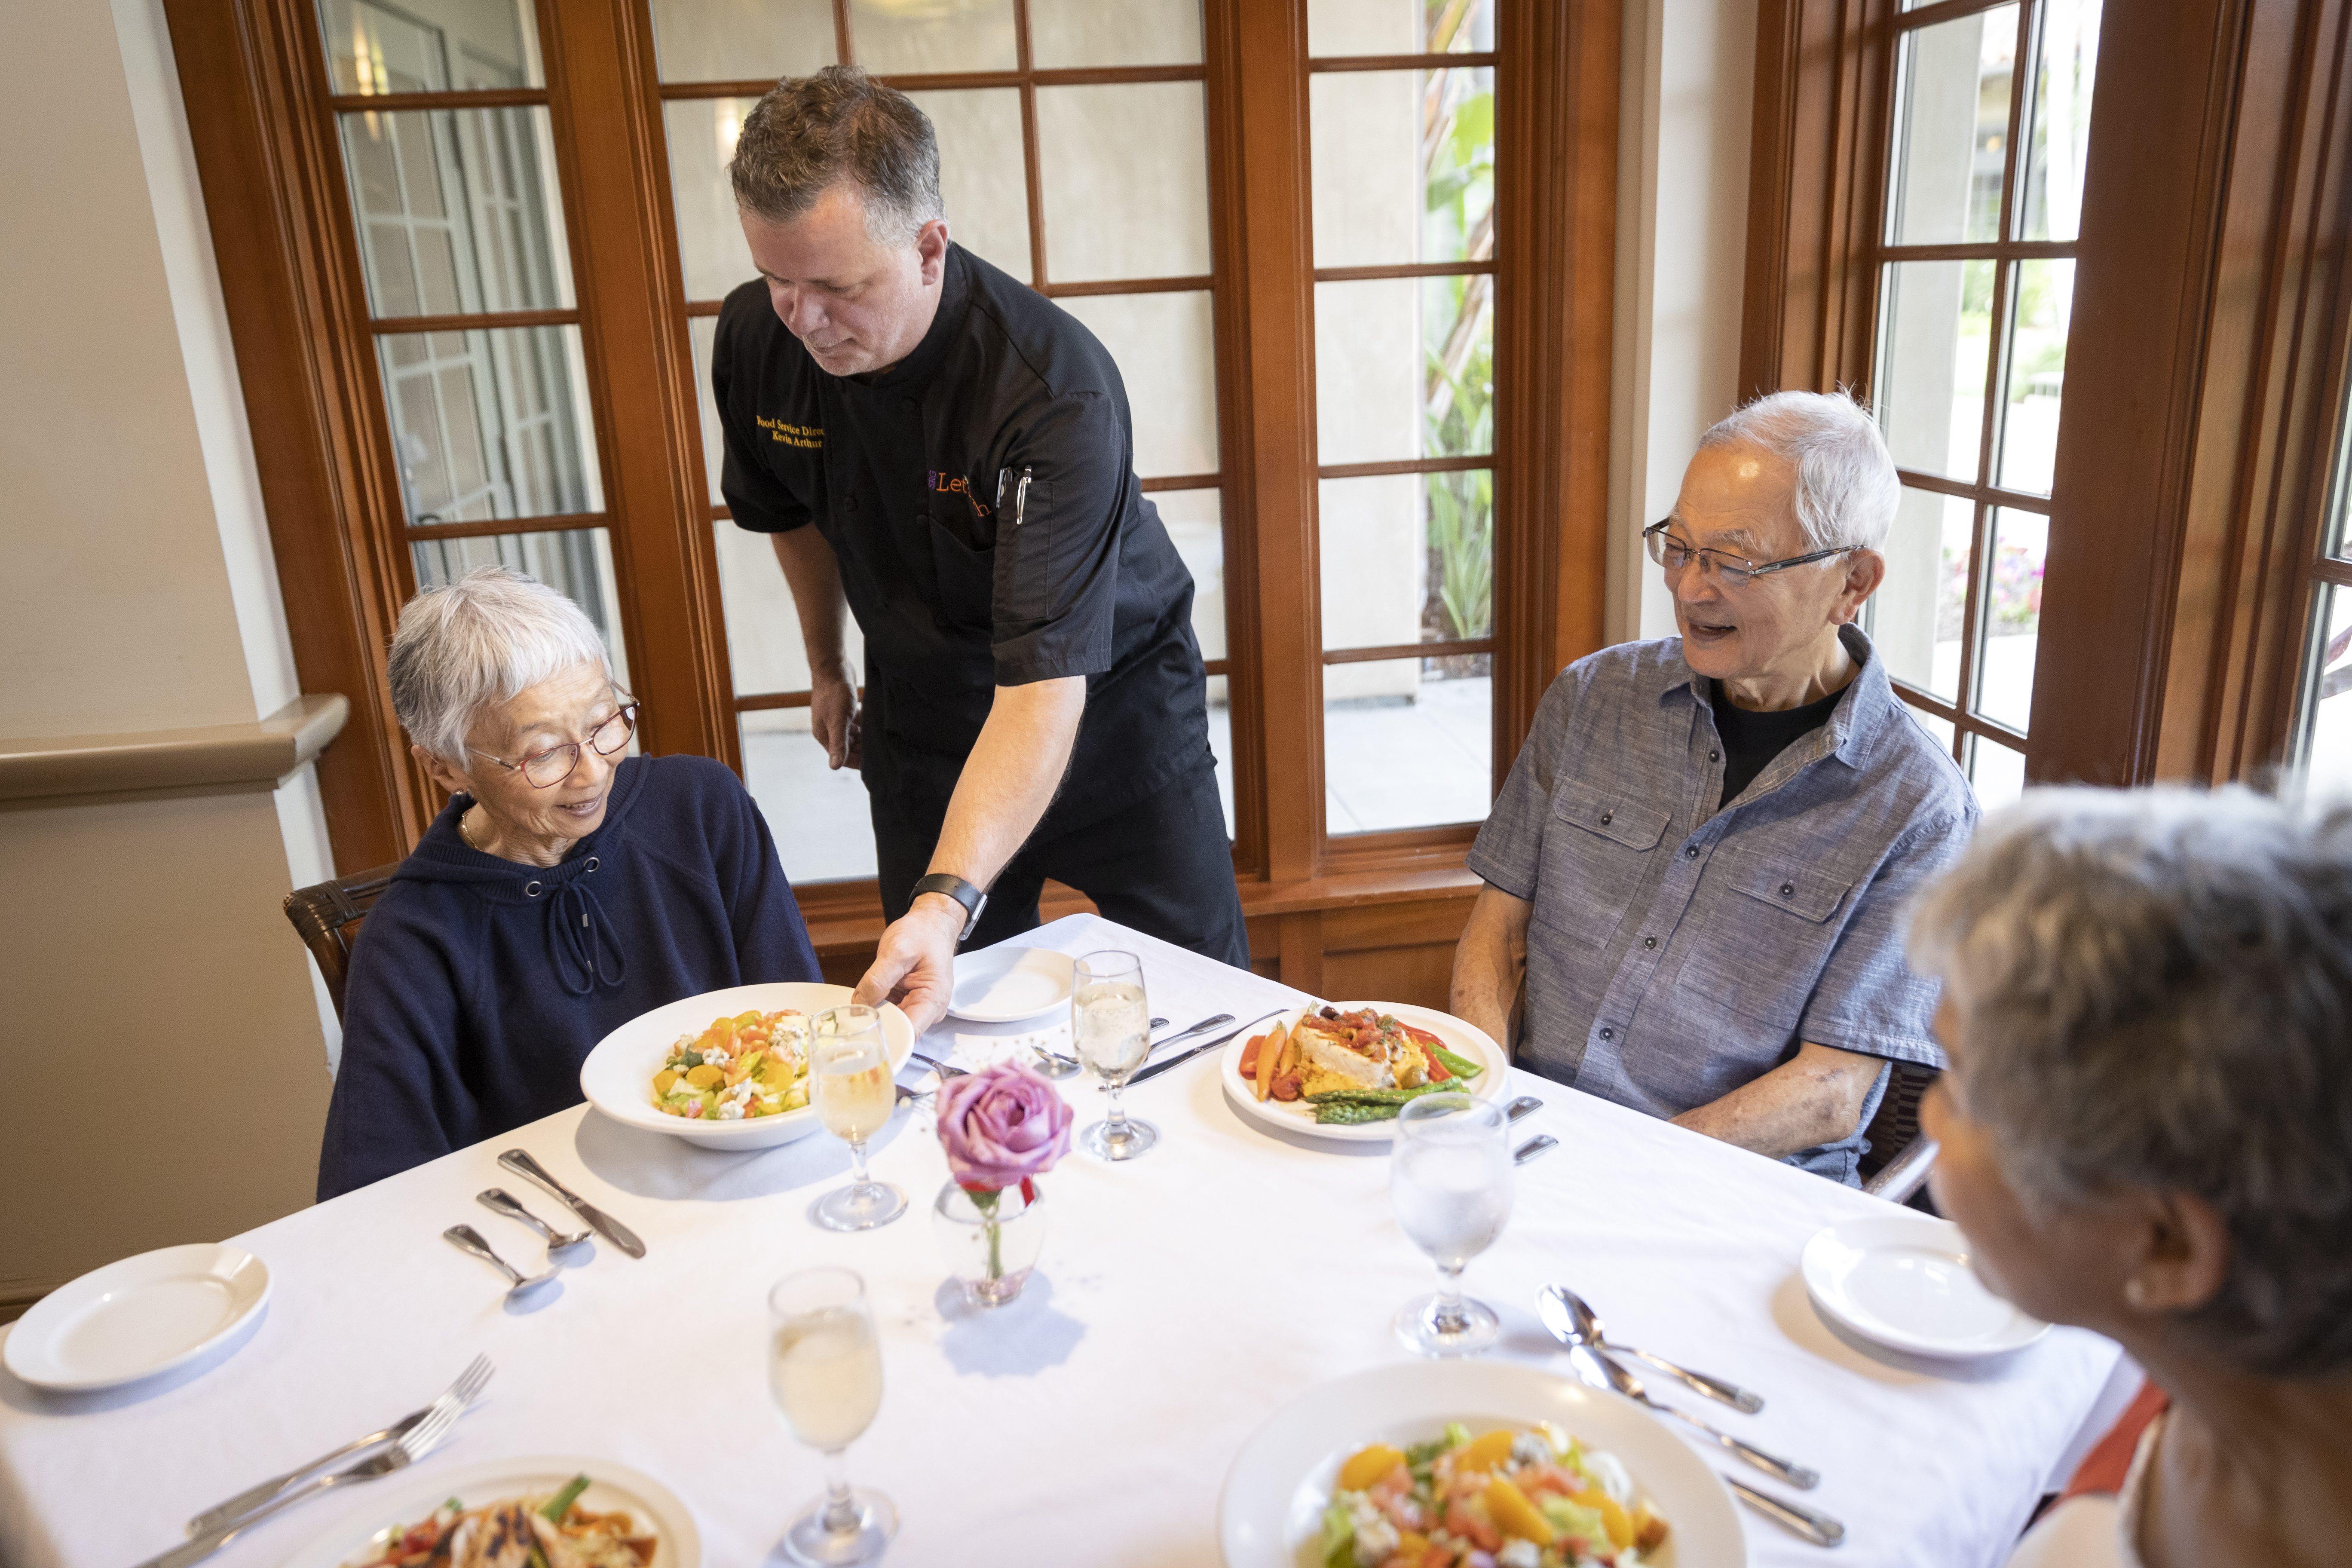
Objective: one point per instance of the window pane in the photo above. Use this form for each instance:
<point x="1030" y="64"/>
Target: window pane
<point x="2042" y="304"/>
<point x="1406" y="744"/>
<point x="1918" y="613"/>
<point x="2020" y="540"/>
<point x="1950" y="130"/>
<point x="983" y="178"/>
<point x="891" y="37"/>
<point x="1403" y="166"/>
<point x="742" y="40"/>
<point x="430" y="46"/>
<point x="702" y="331"/>
<point x="1165" y="346"/>
<point x="1125" y="170"/>
<point x="576" y="563"/>
<point x="2060" y="134"/>
<point x="1939" y="731"/>
<point x="1064" y="34"/>
<point x="1195" y="523"/>
<point x="489" y="423"/>
<point x="764" y="650"/>
<point x="457" y="210"/>
<point x="2326" y="741"/>
<point x="701" y="134"/>
<point x="1998" y="771"/>
<point x="821" y="823"/>
<point x="1337" y="27"/>
<point x="1404" y="369"/>
<point x="1407" y="558"/>
<point x="1935" y="345"/>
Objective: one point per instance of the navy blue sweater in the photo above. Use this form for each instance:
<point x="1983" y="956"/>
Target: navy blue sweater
<point x="479" y="986"/>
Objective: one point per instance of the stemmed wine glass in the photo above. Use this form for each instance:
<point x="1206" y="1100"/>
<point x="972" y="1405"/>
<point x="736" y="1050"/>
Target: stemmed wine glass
<point x="850" y="1085"/>
<point x="1111" y="1023"/>
<point x="824" y="1372"/>
<point x="1450" y="1181"/>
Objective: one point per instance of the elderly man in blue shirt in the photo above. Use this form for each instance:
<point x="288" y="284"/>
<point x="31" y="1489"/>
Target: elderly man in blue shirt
<point x="1696" y="871"/>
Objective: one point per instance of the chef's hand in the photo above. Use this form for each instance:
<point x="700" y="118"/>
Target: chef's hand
<point x="915" y="963"/>
<point x="834" y="718"/>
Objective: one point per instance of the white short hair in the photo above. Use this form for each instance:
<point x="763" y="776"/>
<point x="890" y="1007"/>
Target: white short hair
<point x="476" y="642"/>
<point x="1846" y="487"/>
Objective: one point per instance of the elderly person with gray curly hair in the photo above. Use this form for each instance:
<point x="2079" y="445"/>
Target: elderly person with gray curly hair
<point x="1696" y="872"/>
<point x="564" y="890"/>
<point x="2147" y="1131"/>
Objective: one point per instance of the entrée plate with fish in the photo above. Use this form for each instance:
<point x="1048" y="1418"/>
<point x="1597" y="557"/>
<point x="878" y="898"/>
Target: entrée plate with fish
<point x="1337" y="1071"/>
<point x="481" y="1516"/>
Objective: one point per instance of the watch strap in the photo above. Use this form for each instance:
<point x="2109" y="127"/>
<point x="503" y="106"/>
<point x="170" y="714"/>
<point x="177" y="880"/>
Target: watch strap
<point x="972" y="899"/>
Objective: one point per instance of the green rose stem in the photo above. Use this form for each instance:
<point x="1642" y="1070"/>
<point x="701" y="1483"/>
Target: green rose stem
<point x="984" y="1200"/>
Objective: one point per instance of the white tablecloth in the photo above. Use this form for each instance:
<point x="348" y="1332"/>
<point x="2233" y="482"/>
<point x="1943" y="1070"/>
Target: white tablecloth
<point x="1182" y="1299"/>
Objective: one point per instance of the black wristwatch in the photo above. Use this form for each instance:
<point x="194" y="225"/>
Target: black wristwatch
<point x="973" y="900"/>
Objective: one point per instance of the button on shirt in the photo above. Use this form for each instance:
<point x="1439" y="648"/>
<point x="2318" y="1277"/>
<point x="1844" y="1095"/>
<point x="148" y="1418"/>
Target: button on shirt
<point x="1677" y="952"/>
<point x="899" y="470"/>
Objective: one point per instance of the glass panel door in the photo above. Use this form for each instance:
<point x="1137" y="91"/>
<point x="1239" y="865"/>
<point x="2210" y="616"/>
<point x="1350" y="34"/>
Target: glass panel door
<point x="1401" y="101"/>
<point x="1984" y="199"/>
<point x="2322" y="742"/>
<point x="1114" y="226"/>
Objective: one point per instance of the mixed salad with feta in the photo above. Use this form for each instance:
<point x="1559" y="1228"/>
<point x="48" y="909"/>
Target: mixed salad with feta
<point x="753" y="1064"/>
<point x="1504" y="1498"/>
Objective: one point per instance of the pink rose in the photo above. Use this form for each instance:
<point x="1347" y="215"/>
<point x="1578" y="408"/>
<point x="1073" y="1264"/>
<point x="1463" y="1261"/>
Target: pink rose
<point x="1001" y="1126"/>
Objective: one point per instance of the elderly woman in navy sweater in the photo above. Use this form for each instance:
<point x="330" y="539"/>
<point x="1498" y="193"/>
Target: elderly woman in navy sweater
<point x="563" y="890"/>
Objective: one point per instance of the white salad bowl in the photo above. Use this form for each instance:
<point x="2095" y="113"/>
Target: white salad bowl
<point x="617" y="1079"/>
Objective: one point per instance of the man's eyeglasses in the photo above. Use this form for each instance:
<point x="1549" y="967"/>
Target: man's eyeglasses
<point x="545" y="770"/>
<point x="1730" y="570"/>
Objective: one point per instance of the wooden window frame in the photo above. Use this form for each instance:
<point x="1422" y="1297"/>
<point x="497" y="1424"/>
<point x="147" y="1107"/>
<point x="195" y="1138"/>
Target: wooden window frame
<point x="2206" y="358"/>
<point x="262" y="119"/>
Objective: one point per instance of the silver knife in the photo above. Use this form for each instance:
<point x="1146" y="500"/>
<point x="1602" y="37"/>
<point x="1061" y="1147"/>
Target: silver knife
<point x="520" y="1162"/>
<point x="1180" y="1057"/>
<point x="1533" y="1147"/>
<point x="1811" y="1523"/>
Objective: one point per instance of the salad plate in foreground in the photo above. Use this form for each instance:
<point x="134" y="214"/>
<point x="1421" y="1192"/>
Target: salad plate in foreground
<point x="579" y="1513"/>
<point x="727" y="1069"/>
<point x="1453" y="1458"/>
<point x="1341" y="1071"/>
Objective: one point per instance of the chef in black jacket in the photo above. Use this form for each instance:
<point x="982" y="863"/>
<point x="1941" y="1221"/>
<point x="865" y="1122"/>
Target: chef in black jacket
<point x="942" y="449"/>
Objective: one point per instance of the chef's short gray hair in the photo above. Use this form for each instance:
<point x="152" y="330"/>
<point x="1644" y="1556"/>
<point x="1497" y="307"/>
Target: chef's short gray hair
<point x="476" y="642"/>
<point x="808" y="133"/>
<point x="2156" y="991"/>
<point x="1846" y="487"/>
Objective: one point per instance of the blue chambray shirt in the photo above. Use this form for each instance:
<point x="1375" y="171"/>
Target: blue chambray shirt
<point x="1677" y="952"/>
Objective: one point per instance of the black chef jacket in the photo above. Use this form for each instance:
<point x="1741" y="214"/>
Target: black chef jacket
<point x="898" y="470"/>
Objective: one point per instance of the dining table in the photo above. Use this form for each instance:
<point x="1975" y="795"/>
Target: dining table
<point x="1182" y="1299"/>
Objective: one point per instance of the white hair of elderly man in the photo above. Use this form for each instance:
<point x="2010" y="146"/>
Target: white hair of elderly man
<point x="1846" y="487"/>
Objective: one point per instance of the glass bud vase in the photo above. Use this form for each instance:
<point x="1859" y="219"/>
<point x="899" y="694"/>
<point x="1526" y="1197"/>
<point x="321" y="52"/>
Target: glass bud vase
<point x="990" y="1240"/>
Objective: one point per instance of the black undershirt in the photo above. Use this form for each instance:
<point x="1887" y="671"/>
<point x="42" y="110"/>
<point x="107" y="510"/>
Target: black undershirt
<point x="1751" y="739"/>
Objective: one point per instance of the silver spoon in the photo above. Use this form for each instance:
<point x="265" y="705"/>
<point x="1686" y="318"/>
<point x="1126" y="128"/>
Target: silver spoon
<point x="1588" y="1321"/>
<point x="1602" y="1372"/>
<point x="498" y="1200"/>
<point x="466" y="1238"/>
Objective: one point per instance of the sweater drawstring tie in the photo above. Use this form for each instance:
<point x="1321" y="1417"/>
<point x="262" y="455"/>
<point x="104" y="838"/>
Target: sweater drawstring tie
<point x="582" y="937"/>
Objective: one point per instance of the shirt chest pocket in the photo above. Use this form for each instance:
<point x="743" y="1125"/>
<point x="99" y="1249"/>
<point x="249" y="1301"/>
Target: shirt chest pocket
<point x="966" y="575"/>
<point x="1765" y="925"/>
<point x="1599" y="852"/>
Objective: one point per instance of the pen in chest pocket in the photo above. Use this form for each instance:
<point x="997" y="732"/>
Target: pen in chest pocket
<point x="1019" y="485"/>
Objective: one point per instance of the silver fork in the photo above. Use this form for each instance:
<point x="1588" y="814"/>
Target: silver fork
<point x="406" y="1450"/>
<point x="459" y="1395"/>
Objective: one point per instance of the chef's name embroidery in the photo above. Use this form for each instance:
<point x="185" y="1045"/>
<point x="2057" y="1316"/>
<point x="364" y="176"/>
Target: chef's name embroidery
<point x="810" y="435"/>
<point x="956" y="484"/>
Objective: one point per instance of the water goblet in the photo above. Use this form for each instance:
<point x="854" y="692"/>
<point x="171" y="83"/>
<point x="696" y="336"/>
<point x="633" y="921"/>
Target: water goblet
<point x="824" y="1374"/>
<point x="1450" y="1183"/>
<point x="1110" y="1023"/>
<point x="851" y="1087"/>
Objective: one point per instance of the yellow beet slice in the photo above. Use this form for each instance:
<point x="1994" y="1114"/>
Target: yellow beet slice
<point x="664" y="1080"/>
<point x="1513" y="1514"/>
<point x="703" y="1077"/>
<point x="1368" y="1466"/>
<point x="1487" y="1451"/>
<point x="1613" y="1518"/>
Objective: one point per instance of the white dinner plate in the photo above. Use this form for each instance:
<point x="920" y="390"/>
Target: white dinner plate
<point x="1298" y="1115"/>
<point x="1008" y="984"/>
<point x="1271" y="1512"/>
<point x="1904" y="1281"/>
<point x="136" y="1318"/>
<point x="411" y="1497"/>
<point x="617" y="1079"/>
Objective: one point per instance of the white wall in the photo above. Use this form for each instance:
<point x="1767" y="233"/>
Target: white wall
<point x="1686" y="98"/>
